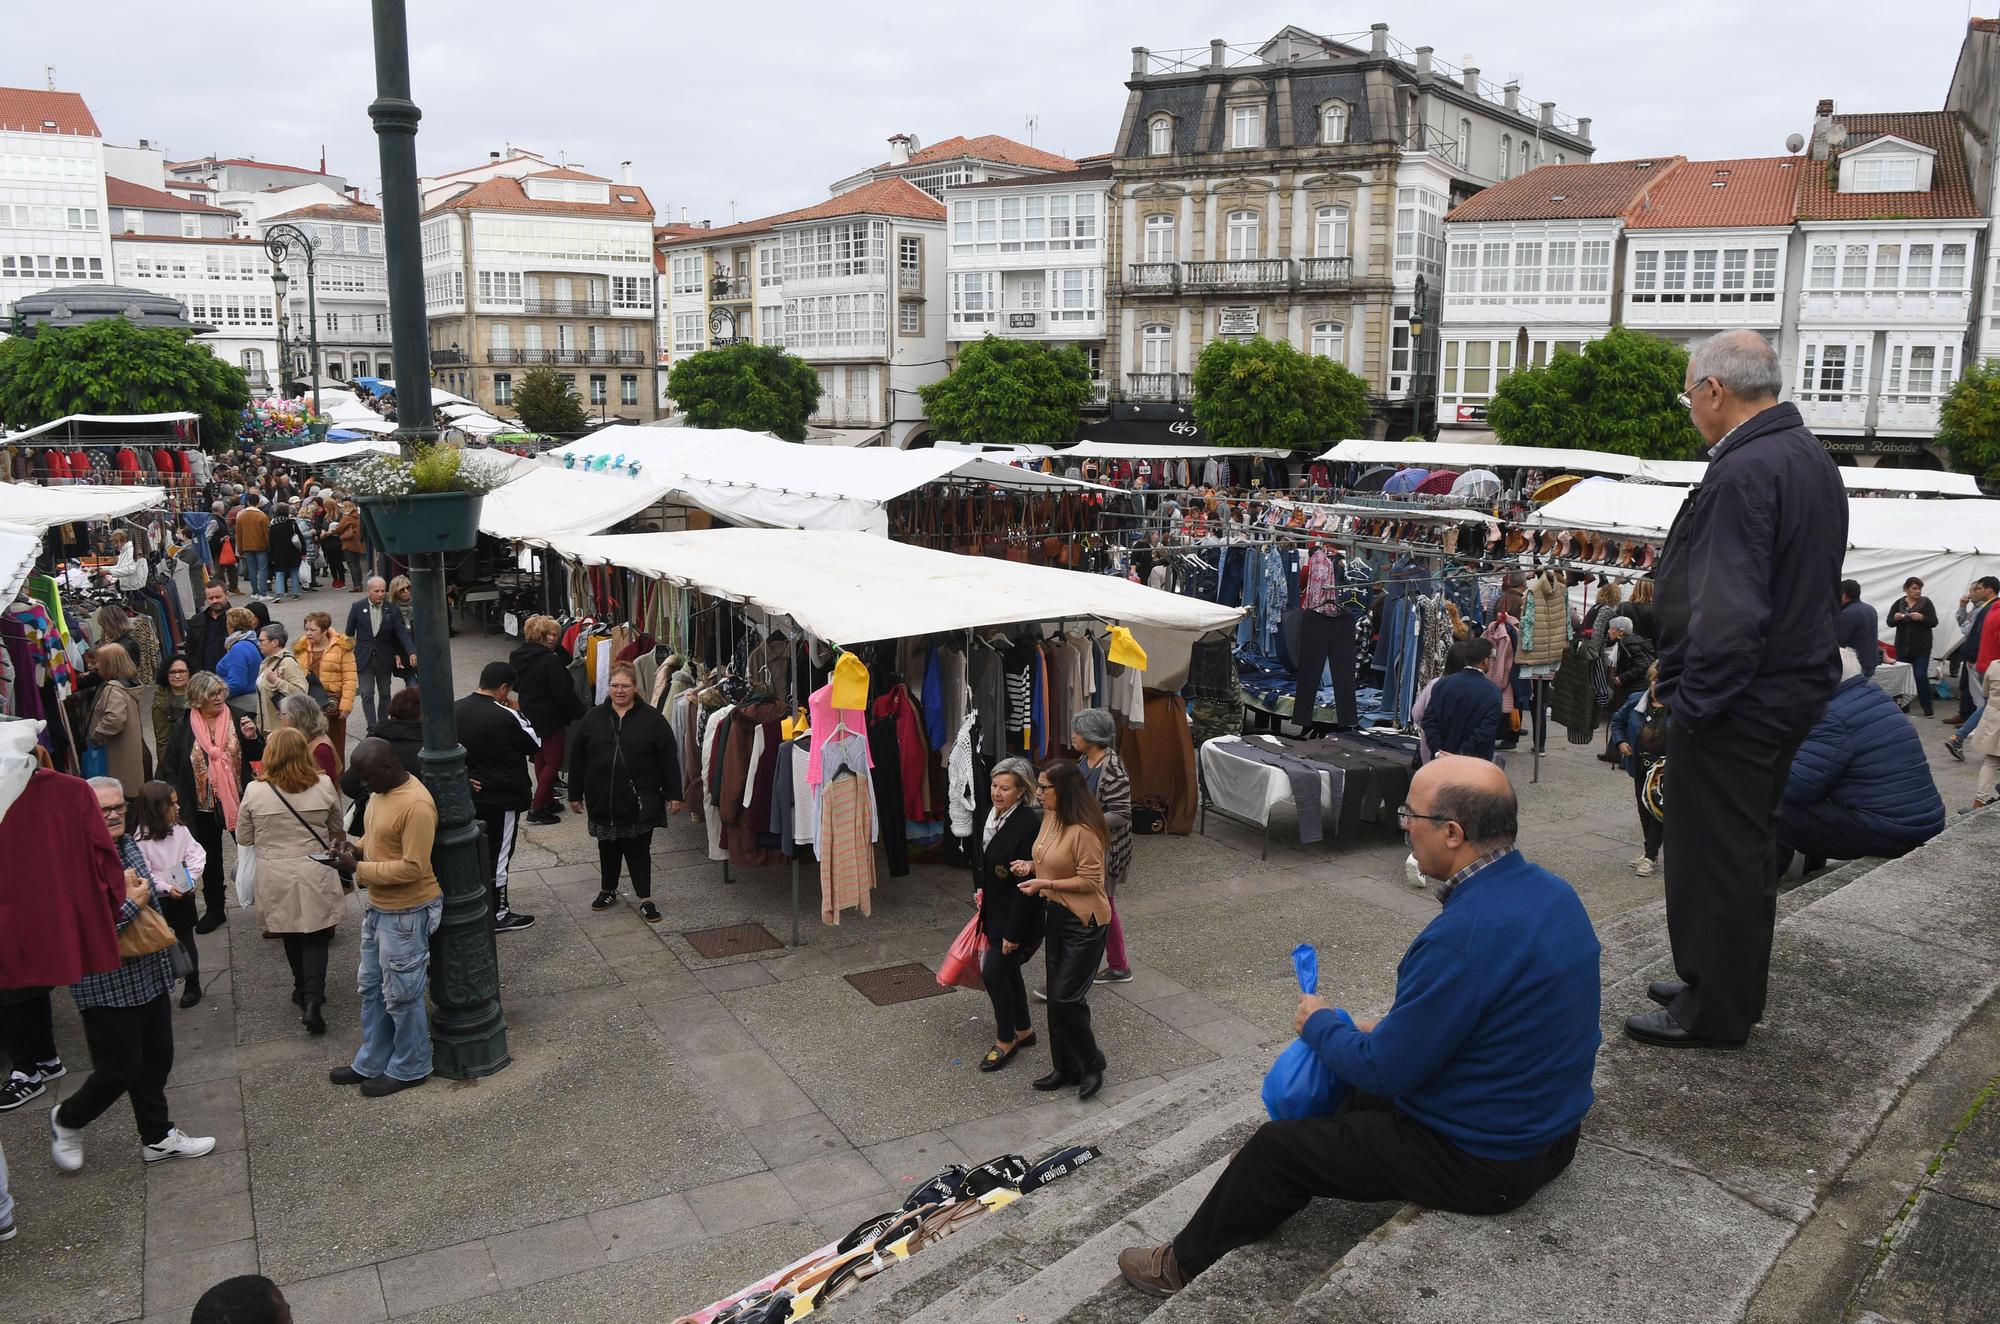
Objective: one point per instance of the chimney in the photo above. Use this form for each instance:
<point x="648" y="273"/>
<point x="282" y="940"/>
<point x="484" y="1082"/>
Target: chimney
<point x="625" y="172"/>
<point x="1822" y="130"/>
<point x="144" y="145"/>
<point x="1548" y="114"/>
<point x="1583" y="127"/>
<point x="1424" y="64"/>
<point x="1378" y="39"/>
<point x="899" y="149"/>
<point x="1470" y="72"/>
<point x="493" y="156"/>
<point x="1218" y="53"/>
<point x="1511" y="94"/>
<point x="1138" y="61"/>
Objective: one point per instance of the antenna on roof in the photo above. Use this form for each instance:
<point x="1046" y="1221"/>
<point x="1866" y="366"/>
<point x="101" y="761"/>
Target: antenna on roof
<point x="49" y="71"/>
<point x="1795" y="144"/>
<point x="1034" y="122"/>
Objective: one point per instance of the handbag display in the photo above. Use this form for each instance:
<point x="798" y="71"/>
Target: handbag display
<point x="146" y="934"/>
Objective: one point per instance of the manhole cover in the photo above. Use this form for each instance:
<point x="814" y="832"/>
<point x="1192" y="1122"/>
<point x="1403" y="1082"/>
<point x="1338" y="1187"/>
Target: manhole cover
<point x="897" y="983"/>
<point x="733" y="940"/>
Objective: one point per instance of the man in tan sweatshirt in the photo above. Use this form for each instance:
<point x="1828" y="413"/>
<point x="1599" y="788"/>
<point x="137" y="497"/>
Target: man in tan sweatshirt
<point x="404" y="907"/>
<point x="253" y="544"/>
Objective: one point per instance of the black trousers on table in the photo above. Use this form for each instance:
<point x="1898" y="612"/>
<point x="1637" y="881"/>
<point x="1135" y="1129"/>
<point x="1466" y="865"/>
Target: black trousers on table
<point x="1825" y="831"/>
<point x="1073" y="952"/>
<point x="1651" y="830"/>
<point x="306" y="954"/>
<point x="179" y="913"/>
<point x="1363" y="1151"/>
<point x="205" y="826"/>
<point x="1722" y="870"/>
<point x="1006" y="988"/>
<point x="636" y="853"/>
<point x="131" y="1053"/>
<point x="1324" y="639"/>
<point x="27" y="1028"/>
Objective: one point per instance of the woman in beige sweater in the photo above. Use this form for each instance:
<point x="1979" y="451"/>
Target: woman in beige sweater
<point x="1067" y="872"/>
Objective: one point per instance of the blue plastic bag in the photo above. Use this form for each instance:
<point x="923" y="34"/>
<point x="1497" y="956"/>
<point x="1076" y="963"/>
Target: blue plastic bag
<point x="1298" y="1083"/>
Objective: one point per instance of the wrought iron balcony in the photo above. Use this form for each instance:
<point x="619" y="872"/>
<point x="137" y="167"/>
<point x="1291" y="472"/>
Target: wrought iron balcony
<point x="1240" y="274"/>
<point x="447" y="356"/>
<point x="909" y="281"/>
<point x="1322" y="272"/>
<point x="508" y="355"/>
<point x="566" y="307"/>
<point x="628" y="356"/>
<point x="731" y="289"/>
<point x="1153" y="277"/>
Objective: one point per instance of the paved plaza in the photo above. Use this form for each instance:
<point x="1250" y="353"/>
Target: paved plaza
<point x="672" y="1126"/>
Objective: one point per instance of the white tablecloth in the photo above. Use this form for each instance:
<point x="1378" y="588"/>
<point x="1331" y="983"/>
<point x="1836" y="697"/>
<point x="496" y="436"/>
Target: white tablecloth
<point x="1896" y="680"/>
<point x="1248" y="789"/>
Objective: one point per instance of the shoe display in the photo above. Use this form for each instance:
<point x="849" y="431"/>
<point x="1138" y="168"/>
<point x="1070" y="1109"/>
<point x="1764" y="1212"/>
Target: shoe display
<point x="20" y="1089"/>
<point x="604" y="901"/>
<point x="65" y="1145"/>
<point x="177" y="1144"/>
<point x="382" y="1087"/>
<point x="513" y="922"/>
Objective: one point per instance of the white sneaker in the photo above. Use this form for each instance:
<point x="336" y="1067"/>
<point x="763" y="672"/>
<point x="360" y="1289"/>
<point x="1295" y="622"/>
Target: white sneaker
<point x="1638" y="860"/>
<point x="1643" y="867"/>
<point x="178" y="1144"/>
<point x="65" y="1143"/>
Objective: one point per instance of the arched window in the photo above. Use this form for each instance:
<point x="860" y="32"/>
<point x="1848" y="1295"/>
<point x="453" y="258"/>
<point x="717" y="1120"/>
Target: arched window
<point x="1526" y="164"/>
<point x="1464" y="141"/>
<point x="1330" y="232"/>
<point x="1159" y="238"/>
<point x="1329" y="341"/>
<point x="1506" y="154"/>
<point x="1156" y="349"/>
<point x="1242" y="236"/>
<point x="1160" y="141"/>
<point x="1333" y="123"/>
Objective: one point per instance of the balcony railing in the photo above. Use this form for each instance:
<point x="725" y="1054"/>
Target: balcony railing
<point x="909" y="281"/>
<point x="1321" y="272"/>
<point x="1156" y="386"/>
<point x="731" y="289"/>
<point x="1239" y="274"/>
<point x="1100" y="393"/>
<point x="628" y="357"/>
<point x="1153" y="277"/>
<point x="507" y="355"/>
<point x="845" y="410"/>
<point x="447" y="356"/>
<point x="566" y="307"/>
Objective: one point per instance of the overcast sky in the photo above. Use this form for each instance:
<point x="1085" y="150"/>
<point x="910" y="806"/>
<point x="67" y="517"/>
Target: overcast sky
<point x="763" y="104"/>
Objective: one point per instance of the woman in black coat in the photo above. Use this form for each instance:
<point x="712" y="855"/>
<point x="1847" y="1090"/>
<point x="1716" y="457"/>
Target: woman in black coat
<point x="625" y="768"/>
<point x="288" y="551"/>
<point x="1011" y="921"/>
<point x="1915" y="618"/>
<point x="550" y="703"/>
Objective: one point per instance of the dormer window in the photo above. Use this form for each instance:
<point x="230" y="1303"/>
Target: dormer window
<point x="1160" y="136"/>
<point x="1246" y="126"/>
<point x="1333" y="123"/>
<point x="1887" y="164"/>
<point x="1884" y="174"/>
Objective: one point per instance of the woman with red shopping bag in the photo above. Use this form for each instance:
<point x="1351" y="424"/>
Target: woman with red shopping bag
<point x="1008" y="923"/>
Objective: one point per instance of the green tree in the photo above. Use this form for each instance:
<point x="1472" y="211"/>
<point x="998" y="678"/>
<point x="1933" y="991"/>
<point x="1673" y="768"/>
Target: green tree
<point x="546" y="401"/>
<point x="1969" y="423"/>
<point x="113" y="367"/>
<point x="759" y="388"/>
<point x="1011" y="391"/>
<point x="1618" y="396"/>
<point x="1262" y="392"/>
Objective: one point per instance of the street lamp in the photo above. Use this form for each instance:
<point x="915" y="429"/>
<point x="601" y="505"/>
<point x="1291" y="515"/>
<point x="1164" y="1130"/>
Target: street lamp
<point x="1420" y="377"/>
<point x="283" y="362"/>
<point x="284" y="240"/>
<point x="469" y="1033"/>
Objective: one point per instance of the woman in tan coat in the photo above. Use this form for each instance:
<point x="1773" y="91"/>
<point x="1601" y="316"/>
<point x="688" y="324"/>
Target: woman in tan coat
<point x="325" y="652"/>
<point x="289" y="815"/>
<point x="278" y="675"/>
<point x="1067" y="872"/>
<point x="117" y="724"/>
<point x="1985" y="740"/>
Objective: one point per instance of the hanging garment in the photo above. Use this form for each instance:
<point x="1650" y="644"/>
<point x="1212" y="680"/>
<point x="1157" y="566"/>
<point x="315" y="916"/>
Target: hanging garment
<point x="847" y="854"/>
<point x="1574" y="701"/>
<point x="962" y="798"/>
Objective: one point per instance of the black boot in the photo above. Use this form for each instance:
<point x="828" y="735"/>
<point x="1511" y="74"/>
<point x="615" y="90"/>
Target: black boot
<point x="312" y="1020"/>
<point x="191" y="991"/>
<point x="211" y="920"/>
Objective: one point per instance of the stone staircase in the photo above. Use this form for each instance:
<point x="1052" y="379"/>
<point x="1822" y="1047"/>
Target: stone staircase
<point x="1696" y="1169"/>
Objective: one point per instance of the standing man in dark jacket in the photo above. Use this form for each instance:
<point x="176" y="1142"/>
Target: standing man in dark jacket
<point x="1748" y="587"/>
<point x="208" y="636"/>
<point x="1463" y="715"/>
<point x="498" y="744"/>
<point x="1915" y="618"/>
<point x="1859" y="628"/>
<point x="382" y="639"/>
<point x="550" y="702"/>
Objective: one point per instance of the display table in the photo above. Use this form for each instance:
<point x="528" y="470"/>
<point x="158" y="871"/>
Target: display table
<point x="1361" y="779"/>
<point x="1896" y="681"/>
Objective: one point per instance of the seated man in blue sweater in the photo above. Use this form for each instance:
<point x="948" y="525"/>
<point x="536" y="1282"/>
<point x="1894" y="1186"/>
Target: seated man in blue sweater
<point x="1469" y="1094"/>
<point x="1462" y="714"/>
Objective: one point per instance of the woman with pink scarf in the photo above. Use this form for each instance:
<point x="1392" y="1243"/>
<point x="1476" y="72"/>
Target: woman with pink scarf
<point x="204" y="757"/>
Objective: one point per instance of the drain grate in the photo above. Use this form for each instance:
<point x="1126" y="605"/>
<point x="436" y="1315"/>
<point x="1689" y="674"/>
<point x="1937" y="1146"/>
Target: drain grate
<point x="897" y="983"/>
<point x="732" y="940"/>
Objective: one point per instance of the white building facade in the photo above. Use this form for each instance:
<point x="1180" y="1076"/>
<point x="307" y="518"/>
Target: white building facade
<point x="1711" y="248"/>
<point x="54" y="223"/>
<point x="171" y="244"/>
<point x="351" y="290"/>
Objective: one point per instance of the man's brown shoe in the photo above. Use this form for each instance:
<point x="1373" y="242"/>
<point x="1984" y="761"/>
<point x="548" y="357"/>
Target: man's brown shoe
<point x="1151" y="1269"/>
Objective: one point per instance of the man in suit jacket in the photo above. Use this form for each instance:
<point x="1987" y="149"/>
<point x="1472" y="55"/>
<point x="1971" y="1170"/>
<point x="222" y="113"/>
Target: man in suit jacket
<point x="381" y="639"/>
<point x="1463" y="715"/>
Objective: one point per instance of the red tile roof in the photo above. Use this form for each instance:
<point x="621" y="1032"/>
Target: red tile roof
<point x="701" y="234"/>
<point x="1564" y="192"/>
<point x="1950" y="193"/>
<point x="494" y="161"/>
<point x="191" y="185"/>
<point x="124" y="193"/>
<point x="354" y="213"/>
<point x="893" y="196"/>
<point x="504" y="193"/>
<point x="987" y="147"/>
<point x="564" y="172"/>
<point x="1715" y="194"/>
<point x="33" y="110"/>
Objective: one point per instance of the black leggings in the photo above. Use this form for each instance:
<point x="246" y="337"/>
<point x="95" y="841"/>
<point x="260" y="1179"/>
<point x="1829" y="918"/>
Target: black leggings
<point x="1651" y="830"/>
<point x="179" y="912"/>
<point x="637" y="855"/>
<point x="206" y="828"/>
<point x="1007" y="989"/>
<point x="306" y="954"/>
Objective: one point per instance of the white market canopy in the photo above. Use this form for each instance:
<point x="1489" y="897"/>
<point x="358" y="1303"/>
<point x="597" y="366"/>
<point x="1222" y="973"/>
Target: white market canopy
<point x="542" y="503"/>
<point x="752" y="478"/>
<point x="19" y="546"/>
<point x="40" y="507"/>
<point x="1947" y="544"/>
<point x="851" y="588"/>
<point x="67" y="419"/>
<point x="333" y="452"/>
<point x="1475" y="455"/>
<point x="1130" y="450"/>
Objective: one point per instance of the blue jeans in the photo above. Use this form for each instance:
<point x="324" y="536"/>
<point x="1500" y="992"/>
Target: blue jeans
<point x="1972" y="721"/>
<point x="395" y="966"/>
<point x="6" y="1200"/>
<point x="257" y="569"/>
<point x="281" y="577"/>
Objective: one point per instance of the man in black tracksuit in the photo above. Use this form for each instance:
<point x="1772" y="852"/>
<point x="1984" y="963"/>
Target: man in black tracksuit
<point x="498" y="743"/>
<point x="1749" y="590"/>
